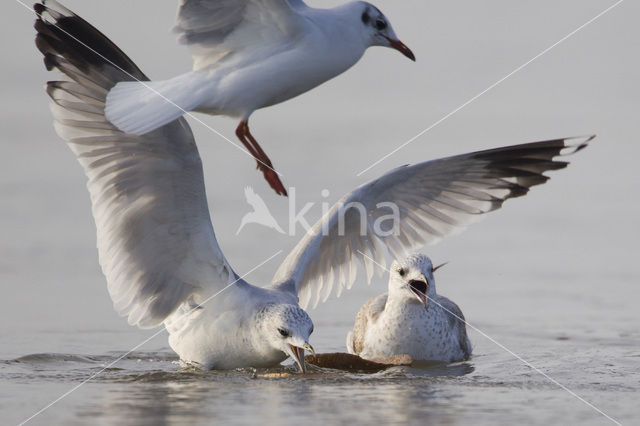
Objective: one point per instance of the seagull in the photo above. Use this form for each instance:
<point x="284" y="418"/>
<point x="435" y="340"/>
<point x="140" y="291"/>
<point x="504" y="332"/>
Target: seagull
<point x="251" y="54"/>
<point x="156" y="244"/>
<point x="260" y="214"/>
<point x="411" y="319"/>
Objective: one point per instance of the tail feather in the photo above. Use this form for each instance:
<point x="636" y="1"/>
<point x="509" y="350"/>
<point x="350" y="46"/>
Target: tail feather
<point x="140" y="107"/>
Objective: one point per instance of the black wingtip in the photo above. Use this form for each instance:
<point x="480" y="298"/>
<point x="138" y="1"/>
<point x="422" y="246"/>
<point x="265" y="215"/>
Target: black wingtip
<point x="586" y="142"/>
<point x="576" y="143"/>
<point x="39" y="8"/>
<point x="50" y="61"/>
<point x="61" y="32"/>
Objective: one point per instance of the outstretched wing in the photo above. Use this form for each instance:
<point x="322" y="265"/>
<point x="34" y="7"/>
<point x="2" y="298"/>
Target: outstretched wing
<point x="412" y="206"/>
<point x="216" y="29"/>
<point x="156" y="244"/>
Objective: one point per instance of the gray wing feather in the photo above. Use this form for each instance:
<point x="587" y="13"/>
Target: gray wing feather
<point x="457" y="323"/>
<point x="205" y="21"/>
<point x="156" y="243"/>
<point x="431" y="200"/>
<point x="215" y="29"/>
<point x="367" y="314"/>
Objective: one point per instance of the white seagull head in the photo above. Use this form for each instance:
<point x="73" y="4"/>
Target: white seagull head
<point x="411" y="279"/>
<point x="379" y="30"/>
<point x="287" y="328"/>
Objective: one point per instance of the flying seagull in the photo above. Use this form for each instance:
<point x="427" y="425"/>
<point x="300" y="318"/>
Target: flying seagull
<point x="251" y="54"/>
<point x="410" y="319"/>
<point x="156" y="244"/>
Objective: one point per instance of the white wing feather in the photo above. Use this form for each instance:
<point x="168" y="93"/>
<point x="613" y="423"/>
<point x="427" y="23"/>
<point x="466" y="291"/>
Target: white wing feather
<point x="433" y="199"/>
<point x="215" y="29"/>
<point x="156" y="244"/>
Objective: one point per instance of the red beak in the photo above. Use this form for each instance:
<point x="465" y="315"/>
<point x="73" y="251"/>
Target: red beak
<point x="402" y="48"/>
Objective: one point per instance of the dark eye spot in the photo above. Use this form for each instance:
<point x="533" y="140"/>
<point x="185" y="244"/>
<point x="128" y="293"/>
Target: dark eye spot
<point x="381" y="24"/>
<point x="283" y="332"/>
<point x="401" y="272"/>
<point x="365" y="18"/>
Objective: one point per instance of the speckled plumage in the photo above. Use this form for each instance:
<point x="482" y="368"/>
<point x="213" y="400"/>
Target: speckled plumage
<point x="398" y="322"/>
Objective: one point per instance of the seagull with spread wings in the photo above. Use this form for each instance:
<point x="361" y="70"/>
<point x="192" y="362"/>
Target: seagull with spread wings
<point x="251" y="54"/>
<point x="156" y="244"/>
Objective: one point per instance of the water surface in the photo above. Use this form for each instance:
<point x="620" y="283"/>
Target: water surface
<point x="553" y="277"/>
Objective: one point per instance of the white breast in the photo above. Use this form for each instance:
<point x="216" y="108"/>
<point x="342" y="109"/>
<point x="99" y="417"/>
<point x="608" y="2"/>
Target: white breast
<point x="409" y="328"/>
<point x="221" y="335"/>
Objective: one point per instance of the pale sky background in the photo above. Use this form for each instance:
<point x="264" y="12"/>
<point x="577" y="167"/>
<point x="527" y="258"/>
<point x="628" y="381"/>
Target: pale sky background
<point x="584" y="223"/>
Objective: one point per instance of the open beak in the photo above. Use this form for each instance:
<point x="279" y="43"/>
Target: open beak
<point x="297" y="353"/>
<point x="419" y="288"/>
<point x="402" y="48"/>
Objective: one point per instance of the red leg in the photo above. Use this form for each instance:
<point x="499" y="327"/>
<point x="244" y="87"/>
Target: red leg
<point x="263" y="161"/>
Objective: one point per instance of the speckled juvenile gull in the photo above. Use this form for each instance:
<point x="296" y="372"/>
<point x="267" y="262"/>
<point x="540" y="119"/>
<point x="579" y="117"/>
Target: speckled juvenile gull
<point x="248" y="55"/>
<point x="411" y="318"/>
<point x="156" y="243"/>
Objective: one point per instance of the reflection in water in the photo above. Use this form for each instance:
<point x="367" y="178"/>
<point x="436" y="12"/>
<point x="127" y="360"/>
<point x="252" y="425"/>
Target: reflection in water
<point x="430" y="369"/>
<point x="167" y="394"/>
<point x="152" y="388"/>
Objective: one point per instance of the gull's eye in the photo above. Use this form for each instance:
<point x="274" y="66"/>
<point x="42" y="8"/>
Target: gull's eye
<point x="381" y="24"/>
<point x="365" y="18"/>
<point x="401" y="271"/>
<point x="283" y="332"/>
